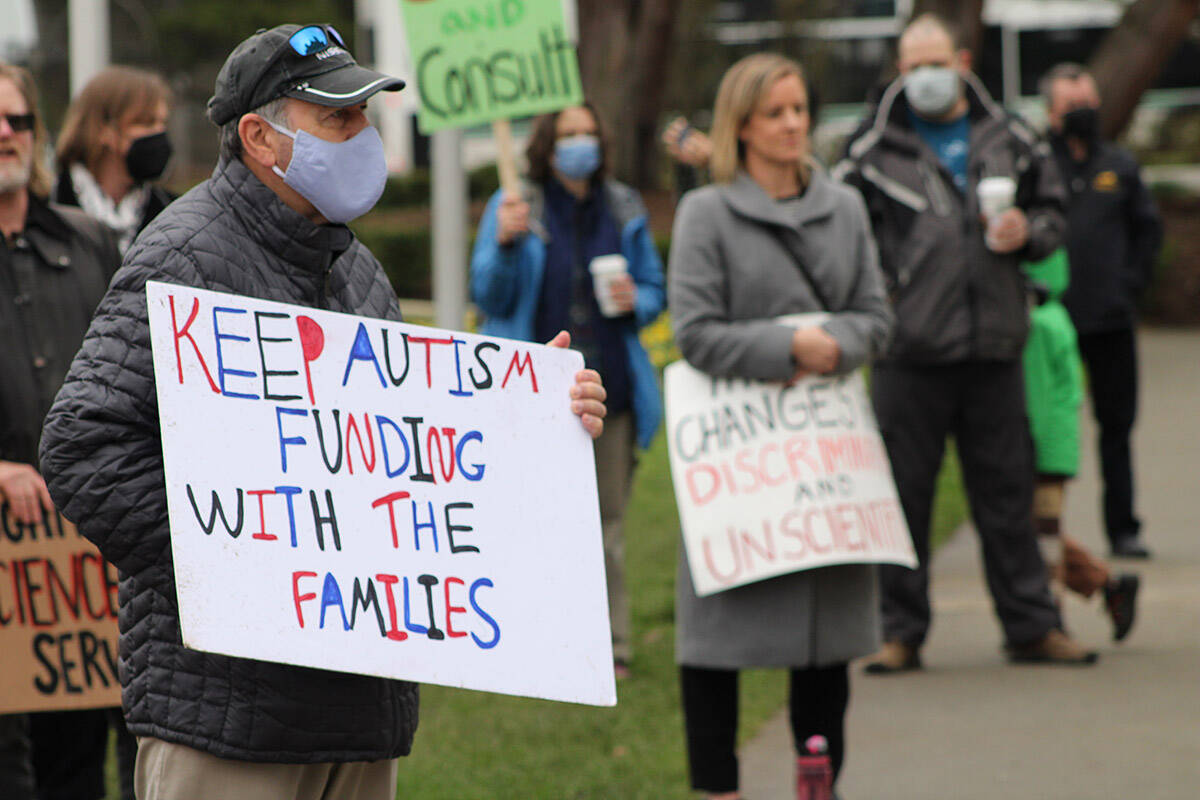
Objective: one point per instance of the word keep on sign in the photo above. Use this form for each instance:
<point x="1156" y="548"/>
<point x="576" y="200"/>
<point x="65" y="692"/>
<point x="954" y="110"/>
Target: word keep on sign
<point x="379" y="498"/>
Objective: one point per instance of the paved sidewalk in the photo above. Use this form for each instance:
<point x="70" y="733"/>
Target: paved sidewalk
<point x="971" y="727"/>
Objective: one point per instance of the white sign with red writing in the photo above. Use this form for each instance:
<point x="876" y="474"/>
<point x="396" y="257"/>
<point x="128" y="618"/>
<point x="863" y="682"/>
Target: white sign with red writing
<point x="380" y="498"/>
<point x="772" y="479"/>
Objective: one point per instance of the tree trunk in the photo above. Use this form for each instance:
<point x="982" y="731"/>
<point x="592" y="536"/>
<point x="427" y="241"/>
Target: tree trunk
<point x="623" y="62"/>
<point x="965" y="15"/>
<point x="1132" y="55"/>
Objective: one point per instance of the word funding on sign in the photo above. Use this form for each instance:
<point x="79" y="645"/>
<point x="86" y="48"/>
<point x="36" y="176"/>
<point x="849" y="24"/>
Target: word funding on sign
<point x="373" y="497"/>
<point x="483" y="60"/>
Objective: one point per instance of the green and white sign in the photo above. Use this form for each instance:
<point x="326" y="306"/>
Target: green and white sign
<point x="480" y="60"/>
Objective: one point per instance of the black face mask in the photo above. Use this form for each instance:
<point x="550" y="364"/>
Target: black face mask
<point x="1082" y="123"/>
<point x="148" y="157"/>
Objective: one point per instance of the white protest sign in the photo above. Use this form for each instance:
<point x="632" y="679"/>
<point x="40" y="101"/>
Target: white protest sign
<point x="379" y="498"/>
<point x="772" y="479"/>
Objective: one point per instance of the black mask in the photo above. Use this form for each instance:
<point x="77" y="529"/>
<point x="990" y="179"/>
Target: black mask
<point x="1082" y="123"/>
<point x="148" y="157"/>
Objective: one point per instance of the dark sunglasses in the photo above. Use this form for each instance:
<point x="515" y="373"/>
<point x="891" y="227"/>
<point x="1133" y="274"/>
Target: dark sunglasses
<point x="19" y="122"/>
<point x="314" y="38"/>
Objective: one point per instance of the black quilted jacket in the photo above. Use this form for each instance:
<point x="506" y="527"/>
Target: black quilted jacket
<point x="102" y="459"/>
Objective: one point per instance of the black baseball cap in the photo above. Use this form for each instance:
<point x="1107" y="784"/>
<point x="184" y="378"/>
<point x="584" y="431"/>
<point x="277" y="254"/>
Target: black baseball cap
<point x="308" y="62"/>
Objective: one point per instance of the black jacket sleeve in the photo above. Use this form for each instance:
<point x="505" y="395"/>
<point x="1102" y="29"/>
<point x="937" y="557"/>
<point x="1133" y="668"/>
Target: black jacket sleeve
<point x="1145" y="229"/>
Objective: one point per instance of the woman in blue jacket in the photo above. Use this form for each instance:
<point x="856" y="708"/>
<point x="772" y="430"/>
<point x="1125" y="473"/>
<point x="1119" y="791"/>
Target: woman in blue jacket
<point x="530" y="278"/>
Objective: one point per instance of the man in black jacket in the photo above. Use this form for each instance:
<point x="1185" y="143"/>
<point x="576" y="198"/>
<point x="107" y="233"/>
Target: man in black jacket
<point x="54" y="266"/>
<point x="954" y="365"/>
<point x="1113" y="236"/>
<point x="298" y="160"/>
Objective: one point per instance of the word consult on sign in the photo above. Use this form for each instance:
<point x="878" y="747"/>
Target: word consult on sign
<point x="483" y="60"/>
<point x="379" y="498"/>
<point x="58" y="619"/>
<point x="772" y="479"/>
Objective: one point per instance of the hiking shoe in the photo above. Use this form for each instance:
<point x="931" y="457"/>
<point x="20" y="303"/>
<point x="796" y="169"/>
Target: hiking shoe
<point x="1120" y="601"/>
<point x="893" y="657"/>
<point x="1053" y="648"/>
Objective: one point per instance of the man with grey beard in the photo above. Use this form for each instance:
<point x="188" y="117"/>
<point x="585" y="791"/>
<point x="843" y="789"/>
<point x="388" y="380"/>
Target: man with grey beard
<point x="55" y="264"/>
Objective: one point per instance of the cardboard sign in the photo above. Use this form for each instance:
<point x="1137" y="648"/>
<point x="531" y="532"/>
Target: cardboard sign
<point x="58" y="619"/>
<point x="772" y="479"/>
<point x="480" y="60"/>
<point x="380" y="498"/>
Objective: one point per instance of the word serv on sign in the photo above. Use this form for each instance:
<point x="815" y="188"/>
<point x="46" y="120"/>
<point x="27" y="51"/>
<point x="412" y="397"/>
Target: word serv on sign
<point x="374" y="497"/>
<point x="58" y="619"/>
<point x="477" y="61"/>
<point x="771" y="479"/>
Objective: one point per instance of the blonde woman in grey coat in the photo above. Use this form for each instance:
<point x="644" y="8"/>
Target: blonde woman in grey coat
<point x="772" y="236"/>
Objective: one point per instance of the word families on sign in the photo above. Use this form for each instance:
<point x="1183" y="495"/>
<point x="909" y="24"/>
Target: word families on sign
<point x="375" y="497"/>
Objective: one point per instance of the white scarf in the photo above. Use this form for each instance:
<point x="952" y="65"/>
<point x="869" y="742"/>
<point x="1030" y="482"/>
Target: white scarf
<point x="123" y="217"/>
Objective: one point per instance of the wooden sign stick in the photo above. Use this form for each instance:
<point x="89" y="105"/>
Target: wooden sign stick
<point x="506" y="159"/>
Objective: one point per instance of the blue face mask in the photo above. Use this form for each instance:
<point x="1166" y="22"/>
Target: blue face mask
<point x="343" y="180"/>
<point x="577" y="157"/>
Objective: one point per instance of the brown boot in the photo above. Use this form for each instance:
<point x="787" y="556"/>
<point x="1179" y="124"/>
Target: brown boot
<point x="893" y="657"/>
<point x="1053" y="648"/>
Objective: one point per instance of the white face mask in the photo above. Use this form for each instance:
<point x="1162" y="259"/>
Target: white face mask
<point x="343" y="180"/>
<point x="932" y="91"/>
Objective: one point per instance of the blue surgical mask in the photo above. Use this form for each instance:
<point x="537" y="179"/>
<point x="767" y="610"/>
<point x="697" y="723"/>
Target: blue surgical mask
<point x="577" y="157"/>
<point x="932" y="91"/>
<point x="343" y="180"/>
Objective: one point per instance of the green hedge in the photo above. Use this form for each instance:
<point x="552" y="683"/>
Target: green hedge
<point x="413" y="189"/>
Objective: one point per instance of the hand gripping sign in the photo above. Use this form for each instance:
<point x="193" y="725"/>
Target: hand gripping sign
<point x="772" y="479"/>
<point x="379" y="498"/>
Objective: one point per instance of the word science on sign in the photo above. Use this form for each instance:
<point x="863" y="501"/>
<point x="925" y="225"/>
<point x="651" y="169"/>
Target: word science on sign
<point x="772" y="479"/>
<point x="476" y="61"/>
<point x="58" y="619"/>
<point x="380" y="498"/>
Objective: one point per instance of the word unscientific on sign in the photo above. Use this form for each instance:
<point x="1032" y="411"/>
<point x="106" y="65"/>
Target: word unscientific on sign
<point x="481" y="60"/>
<point x="379" y="498"/>
<point x="772" y="479"/>
<point x="58" y="619"/>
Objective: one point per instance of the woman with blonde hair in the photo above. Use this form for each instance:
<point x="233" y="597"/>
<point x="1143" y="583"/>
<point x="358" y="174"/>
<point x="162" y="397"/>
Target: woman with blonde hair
<point x="772" y="236"/>
<point x="112" y="146"/>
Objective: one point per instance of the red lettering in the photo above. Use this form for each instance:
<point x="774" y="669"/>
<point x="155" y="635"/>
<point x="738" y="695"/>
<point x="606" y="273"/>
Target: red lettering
<point x="298" y="598"/>
<point x="387" y="500"/>
<point x="795" y="450"/>
<point x="352" y="427"/>
<point x="312" y="344"/>
<point x="262" y="515"/>
<point x="180" y="334"/>
<point x="520" y="367"/>
<point x="710" y="562"/>
<point x="433" y="437"/>
<point x="394" y="633"/>
<point x="428" y="358"/>
<point x="701" y="497"/>
<point x="450" y="609"/>
<point x="762" y="465"/>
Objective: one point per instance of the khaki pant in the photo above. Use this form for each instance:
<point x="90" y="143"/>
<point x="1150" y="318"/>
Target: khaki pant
<point x="168" y="771"/>
<point x="614" y="477"/>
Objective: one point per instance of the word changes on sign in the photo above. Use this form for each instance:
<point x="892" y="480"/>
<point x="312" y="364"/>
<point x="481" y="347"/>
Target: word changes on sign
<point x="380" y="498"/>
<point x="772" y="479"/>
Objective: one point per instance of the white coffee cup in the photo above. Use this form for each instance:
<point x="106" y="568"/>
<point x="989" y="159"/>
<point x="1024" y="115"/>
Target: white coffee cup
<point x="996" y="195"/>
<point x="605" y="270"/>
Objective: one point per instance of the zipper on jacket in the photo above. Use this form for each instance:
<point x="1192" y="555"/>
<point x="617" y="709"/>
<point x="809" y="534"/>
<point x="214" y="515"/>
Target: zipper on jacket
<point x="323" y="284"/>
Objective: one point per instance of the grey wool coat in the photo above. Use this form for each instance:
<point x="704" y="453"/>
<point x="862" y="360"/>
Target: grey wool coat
<point x="733" y="268"/>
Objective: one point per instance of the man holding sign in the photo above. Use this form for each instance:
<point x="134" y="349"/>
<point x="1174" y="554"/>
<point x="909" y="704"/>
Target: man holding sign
<point x="298" y="160"/>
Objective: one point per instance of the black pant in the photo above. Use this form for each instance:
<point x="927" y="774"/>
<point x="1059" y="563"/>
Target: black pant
<point x="982" y="404"/>
<point x="16" y="771"/>
<point x="1111" y="361"/>
<point x="69" y="749"/>
<point x="817" y="703"/>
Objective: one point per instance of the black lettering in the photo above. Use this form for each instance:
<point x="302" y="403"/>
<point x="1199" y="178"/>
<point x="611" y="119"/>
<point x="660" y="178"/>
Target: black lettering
<point x="366" y="600"/>
<point x="387" y="359"/>
<point x="428" y="581"/>
<point x="336" y="466"/>
<point x="486" y="383"/>
<point x="420" y="475"/>
<point x="262" y="356"/>
<point x="451" y="528"/>
<point x="216" y="509"/>
<point x="320" y="521"/>
<point x="50" y="684"/>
